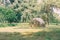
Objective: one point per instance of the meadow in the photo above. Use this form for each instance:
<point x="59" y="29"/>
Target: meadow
<point x="51" y="32"/>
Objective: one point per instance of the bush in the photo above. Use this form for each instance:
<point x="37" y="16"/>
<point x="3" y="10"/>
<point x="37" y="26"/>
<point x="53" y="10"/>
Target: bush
<point x="9" y="15"/>
<point x="12" y="24"/>
<point x="2" y="25"/>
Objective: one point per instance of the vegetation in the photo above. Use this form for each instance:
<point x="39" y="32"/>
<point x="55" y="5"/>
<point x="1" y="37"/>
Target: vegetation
<point x="21" y="12"/>
<point x="52" y="35"/>
<point x="24" y="11"/>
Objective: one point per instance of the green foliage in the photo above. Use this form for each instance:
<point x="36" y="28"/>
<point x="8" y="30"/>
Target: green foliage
<point x="2" y="25"/>
<point x="12" y="24"/>
<point x="11" y="1"/>
<point x="2" y="11"/>
<point x="9" y="15"/>
<point x="7" y="24"/>
<point x="27" y="9"/>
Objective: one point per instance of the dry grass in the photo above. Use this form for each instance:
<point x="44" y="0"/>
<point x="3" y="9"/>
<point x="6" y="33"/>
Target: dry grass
<point x="24" y="32"/>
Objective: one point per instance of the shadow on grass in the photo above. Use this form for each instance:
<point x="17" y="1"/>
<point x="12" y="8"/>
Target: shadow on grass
<point x="52" y="35"/>
<point x="18" y="36"/>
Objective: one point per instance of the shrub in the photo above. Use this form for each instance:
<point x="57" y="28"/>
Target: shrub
<point x="9" y="15"/>
<point x="12" y="24"/>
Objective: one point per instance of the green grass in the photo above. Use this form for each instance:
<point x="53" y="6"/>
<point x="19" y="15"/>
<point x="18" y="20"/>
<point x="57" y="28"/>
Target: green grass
<point x="7" y="24"/>
<point x="52" y="35"/>
<point x="26" y="25"/>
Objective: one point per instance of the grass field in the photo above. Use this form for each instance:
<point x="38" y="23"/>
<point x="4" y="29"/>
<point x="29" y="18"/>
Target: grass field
<point x="51" y="32"/>
<point x="53" y="35"/>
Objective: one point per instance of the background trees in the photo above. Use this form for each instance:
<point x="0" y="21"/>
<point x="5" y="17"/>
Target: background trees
<point x="25" y="10"/>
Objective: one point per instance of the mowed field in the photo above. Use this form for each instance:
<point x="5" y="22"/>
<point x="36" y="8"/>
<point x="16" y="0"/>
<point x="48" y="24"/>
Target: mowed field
<point x="23" y="31"/>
